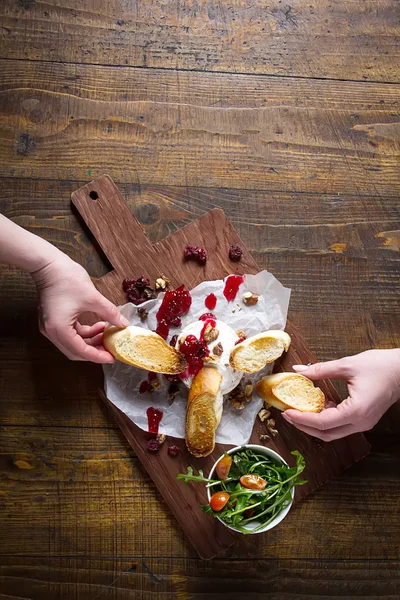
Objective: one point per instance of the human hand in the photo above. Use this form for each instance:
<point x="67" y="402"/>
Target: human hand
<point x="373" y="381"/>
<point x="66" y="291"/>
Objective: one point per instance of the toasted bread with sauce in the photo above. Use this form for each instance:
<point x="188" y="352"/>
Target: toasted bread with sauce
<point x="145" y="349"/>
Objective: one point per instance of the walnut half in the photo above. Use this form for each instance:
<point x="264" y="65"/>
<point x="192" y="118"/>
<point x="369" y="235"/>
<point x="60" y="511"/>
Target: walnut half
<point x="210" y="334"/>
<point x="249" y="299"/>
<point x="218" y="349"/>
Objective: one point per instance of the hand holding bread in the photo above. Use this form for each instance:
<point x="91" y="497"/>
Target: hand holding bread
<point x="373" y="381"/>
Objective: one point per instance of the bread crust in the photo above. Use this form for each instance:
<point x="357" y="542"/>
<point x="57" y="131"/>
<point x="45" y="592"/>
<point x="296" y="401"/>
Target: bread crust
<point x="145" y="349"/>
<point x="204" y="410"/>
<point x="268" y="389"/>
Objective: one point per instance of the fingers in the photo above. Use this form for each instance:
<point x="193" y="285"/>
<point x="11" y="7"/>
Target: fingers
<point x="107" y="311"/>
<point x="89" y="331"/>
<point x="332" y="434"/>
<point x="70" y="343"/>
<point x="327" y="419"/>
<point x="334" y="369"/>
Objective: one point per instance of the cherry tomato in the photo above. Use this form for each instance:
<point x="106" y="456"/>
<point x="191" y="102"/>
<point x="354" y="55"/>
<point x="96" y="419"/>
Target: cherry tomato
<point x="218" y="500"/>
<point x="223" y="467"/>
<point x="253" y="482"/>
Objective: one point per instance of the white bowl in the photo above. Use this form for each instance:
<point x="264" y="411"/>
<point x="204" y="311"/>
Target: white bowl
<point x="254" y="524"/>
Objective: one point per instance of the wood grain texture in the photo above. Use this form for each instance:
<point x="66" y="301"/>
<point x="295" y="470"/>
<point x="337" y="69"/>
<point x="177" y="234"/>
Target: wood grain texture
<point x="121" y="237"/>
<point x="171" y="578"/>
<point x="56" y="481"/>
<point x="199" y="129"/>
<point x="326" y="223"/>
<point x="353" y="40"/>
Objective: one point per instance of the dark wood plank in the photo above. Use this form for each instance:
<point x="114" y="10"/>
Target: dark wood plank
<point x="170" y="578"/>
<point x="356" y="40"/>
<point x="57" y="480"/>
<point x="199" y="129"/>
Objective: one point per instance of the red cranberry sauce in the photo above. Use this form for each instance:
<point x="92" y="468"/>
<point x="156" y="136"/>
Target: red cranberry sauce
<point x="194" y="351"/>
<point x="207" y="316"/>
<point x="232" y="285"/>
<point x="175" y="304"/>
<point x="154" y="417"/>
<point x="211" y="301"/>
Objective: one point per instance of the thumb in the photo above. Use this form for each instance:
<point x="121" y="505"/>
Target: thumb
<point x="108" y="311"/>
<point x="333" y="369"/>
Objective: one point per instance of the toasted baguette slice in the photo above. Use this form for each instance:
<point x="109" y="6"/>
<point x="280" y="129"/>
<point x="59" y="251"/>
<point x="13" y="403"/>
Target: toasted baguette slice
<point x="204" y="411"/>
<point x="144" y="349"/>
<point x="257" y="351"/>
<point x="291" y="390"/>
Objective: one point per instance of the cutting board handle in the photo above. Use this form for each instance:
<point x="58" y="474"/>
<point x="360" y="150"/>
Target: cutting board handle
<point x="119" y="233"/>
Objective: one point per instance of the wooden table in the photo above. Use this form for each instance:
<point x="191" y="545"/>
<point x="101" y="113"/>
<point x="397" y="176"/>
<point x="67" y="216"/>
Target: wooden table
<point x="287" y="117"/>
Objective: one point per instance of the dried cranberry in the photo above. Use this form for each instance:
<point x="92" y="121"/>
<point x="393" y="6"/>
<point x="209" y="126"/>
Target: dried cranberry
<point x="142" y="283"/>
<point x="175" y="304"/>
<point x="153" y="445"/>
<point x="127" y="283"/>
<point x="195" y="253"/>
<point x="151" y="376"/>
<point x="173" y="340"/>
<point x="207" y="316"/>
<point x="173" y="451"/>
<point x="235" y="253"/>
<point x="138" y="290"/>
<point x="144" y="386"/>
<point x="239" y="341"/>
<point x="194" y="350"/>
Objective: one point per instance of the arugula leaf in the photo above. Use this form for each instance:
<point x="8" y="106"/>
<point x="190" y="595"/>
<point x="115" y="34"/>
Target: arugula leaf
<point x="189" y="476"/>
<point x="206" y="508"/>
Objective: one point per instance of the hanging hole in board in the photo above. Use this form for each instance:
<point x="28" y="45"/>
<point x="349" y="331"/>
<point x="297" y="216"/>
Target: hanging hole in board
<point x="94" y="195"/>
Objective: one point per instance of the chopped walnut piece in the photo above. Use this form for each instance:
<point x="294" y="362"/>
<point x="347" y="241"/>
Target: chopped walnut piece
<point x="271" y="427"/>
<point x="160" y="438"/>
<point x="248" y="390"/>
<point x="154" y="384"/>
<point x="173" y="391"/>
<point x="264" y="437"/>
<point x="218" y="349"/>
<point x="210" y="333"/>
<point x="249" y="299"/>
<point x="149" y="293"/>
<point x="162" y="283"/>
<point x="263" y="415"/>
<point x="143" y="313"/>
<point x="237" y="398"/>
<point x="238" y="404"/>
<point x="241" y="334"/>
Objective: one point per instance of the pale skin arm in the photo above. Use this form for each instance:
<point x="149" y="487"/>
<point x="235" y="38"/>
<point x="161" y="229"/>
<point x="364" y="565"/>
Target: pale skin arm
<point x="65" y="291"/>
<point x="373" y="381"/>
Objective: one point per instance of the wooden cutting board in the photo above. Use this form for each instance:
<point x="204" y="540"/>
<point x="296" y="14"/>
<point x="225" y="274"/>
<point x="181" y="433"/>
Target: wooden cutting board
<point x="131" y="254"/>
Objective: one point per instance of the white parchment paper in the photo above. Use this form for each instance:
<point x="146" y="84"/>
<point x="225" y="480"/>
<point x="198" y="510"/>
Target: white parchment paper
<point x="122" y="381"/>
